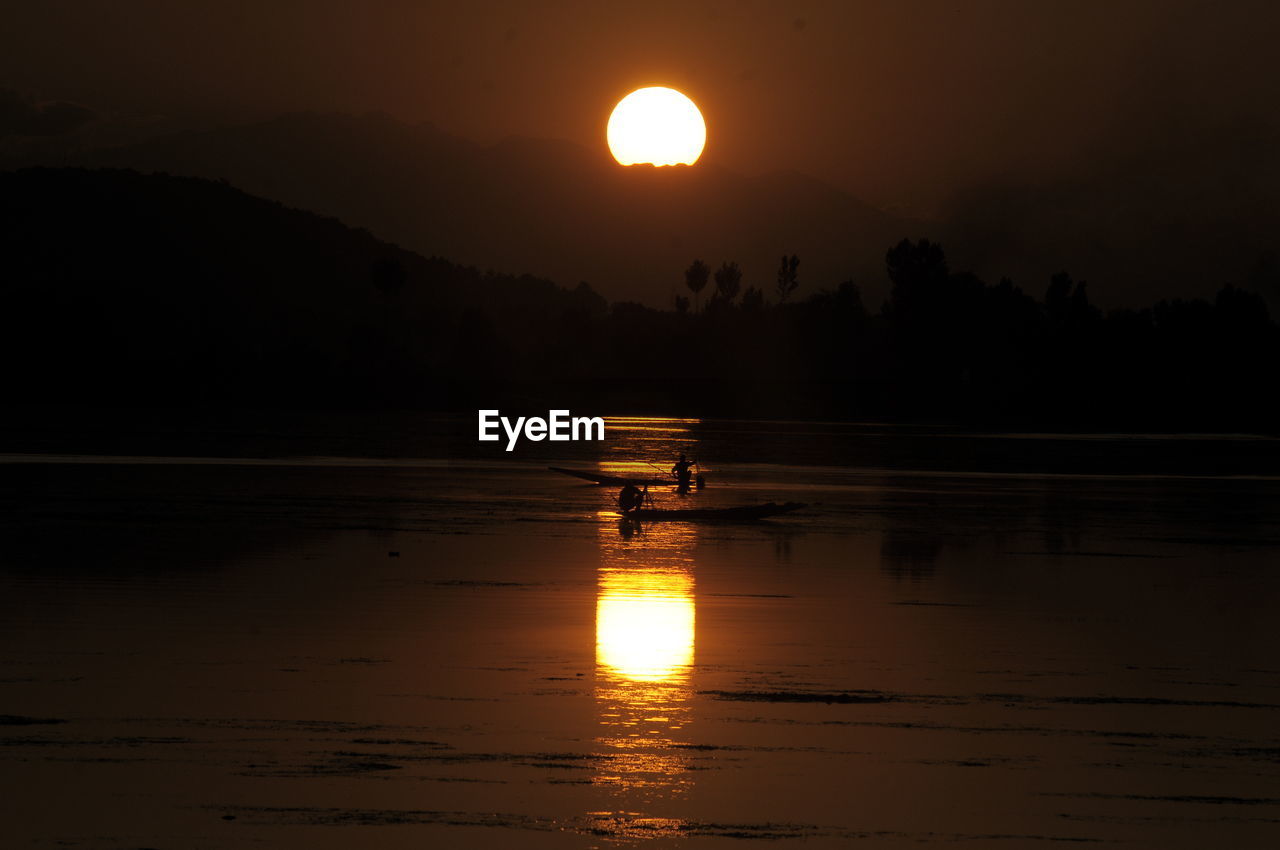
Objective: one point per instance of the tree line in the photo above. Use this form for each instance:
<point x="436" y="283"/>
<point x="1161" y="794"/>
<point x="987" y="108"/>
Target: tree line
<point x="948" y="346"/>
<point x="147" y="290"/>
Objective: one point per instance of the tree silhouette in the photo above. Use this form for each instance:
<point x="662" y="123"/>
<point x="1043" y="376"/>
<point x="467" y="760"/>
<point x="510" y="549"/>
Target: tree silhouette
<point x="918" y="271"/>
<point x="728" y="281"/>
<point x="696" y="277"/>
<point x="787" y="282"/>
<point x="1241" y="309"/>
<point x="1066" y="302"/>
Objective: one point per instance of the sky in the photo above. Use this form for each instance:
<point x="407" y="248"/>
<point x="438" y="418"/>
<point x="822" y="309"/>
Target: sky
<point x="904" y="104"/>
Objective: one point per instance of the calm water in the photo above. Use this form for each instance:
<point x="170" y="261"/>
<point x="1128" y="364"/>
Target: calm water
<point x="1004" y="641"/>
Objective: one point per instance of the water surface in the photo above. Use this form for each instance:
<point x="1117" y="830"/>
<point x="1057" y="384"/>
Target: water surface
<point x="1036" y="640"/>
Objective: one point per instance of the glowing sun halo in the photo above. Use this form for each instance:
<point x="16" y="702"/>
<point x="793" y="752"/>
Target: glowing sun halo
<point x="657" y="125"/>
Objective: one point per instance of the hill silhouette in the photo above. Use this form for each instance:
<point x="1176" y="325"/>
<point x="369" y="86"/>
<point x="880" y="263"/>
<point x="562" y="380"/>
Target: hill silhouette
<point x="126" y="289"/>
<point x="532" y="205"/>
<point x="1173" y="219"/>
<point x="1177" y="219"/>
<point x="137" y="289"/>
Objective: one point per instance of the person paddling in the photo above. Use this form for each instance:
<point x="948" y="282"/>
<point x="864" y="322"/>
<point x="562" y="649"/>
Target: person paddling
<point x="682" y="472"/>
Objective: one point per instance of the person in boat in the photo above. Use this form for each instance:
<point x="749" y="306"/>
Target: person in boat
<point x="630" y="499"/>
<point x="682" y="472"/>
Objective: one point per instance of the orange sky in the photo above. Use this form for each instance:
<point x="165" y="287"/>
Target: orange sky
<point x="903" y="103"/>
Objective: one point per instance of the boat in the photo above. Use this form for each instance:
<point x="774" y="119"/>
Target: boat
<point x="613" y="480"/>
<point x="742" y="513"/>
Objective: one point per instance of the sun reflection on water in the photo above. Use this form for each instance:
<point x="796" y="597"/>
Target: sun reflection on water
<point x="645" y="616"/>
<point x="644" y="625"/>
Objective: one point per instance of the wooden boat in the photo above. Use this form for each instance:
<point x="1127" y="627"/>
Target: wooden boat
<point x="613" y="480"/>
<point x="743" y="513"/>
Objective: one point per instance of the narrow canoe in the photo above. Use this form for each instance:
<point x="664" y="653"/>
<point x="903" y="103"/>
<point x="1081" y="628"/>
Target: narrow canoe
<point x="744" y="513"/>
<point x="611" y="480"/>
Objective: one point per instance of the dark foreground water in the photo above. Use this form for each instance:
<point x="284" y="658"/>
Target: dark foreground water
<point x="447" y="652"/>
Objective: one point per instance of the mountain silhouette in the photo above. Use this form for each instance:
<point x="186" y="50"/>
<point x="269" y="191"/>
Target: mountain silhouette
<point x="528" y="205"/>
<point x="1177" y="218"/>
<point x="123" y="289"/>
<point x="1143" y="222"/>
<point x="127" y="288"/>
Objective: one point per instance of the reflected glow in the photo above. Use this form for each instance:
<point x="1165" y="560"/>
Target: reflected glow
<point x="636" y="469"/>
<point x="644" y="447"/>
<point x="657" y="125"/>
<point x="644" y="625"/>
<point x="636" y="827"/>
<point x="645" y="617"/>
<point x="653" y="422"/>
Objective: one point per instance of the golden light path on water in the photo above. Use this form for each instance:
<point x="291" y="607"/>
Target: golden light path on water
<point x="645" y="637"/>
<point x="644" y="625"/>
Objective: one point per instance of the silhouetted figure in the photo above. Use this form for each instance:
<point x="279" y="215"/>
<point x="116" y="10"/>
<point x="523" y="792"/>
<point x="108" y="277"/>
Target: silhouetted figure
<point x="684" y="475"/>
<point x="630" y="499"/>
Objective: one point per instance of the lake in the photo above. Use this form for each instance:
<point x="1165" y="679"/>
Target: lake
<point x="330" y="634"/>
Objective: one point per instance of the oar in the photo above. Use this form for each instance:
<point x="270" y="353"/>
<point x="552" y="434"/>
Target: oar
<point x="660" y="469"/>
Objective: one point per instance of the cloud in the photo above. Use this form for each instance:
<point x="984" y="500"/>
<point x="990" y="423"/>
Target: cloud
<point x="22" y="116"/>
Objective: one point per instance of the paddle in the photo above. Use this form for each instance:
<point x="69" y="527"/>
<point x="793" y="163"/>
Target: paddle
<point x="660" y="469"/>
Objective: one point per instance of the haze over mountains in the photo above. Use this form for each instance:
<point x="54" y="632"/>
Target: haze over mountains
<point x="1139" y="226"/>
<point x="546" y="207"/>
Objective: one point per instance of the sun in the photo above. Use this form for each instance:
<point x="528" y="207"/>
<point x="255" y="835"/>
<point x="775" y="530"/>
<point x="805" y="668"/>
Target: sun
<point x="657" y="125"/>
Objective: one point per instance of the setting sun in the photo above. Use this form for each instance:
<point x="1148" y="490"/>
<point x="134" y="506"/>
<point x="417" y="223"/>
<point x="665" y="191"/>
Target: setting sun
<point x="656" y="125"/>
